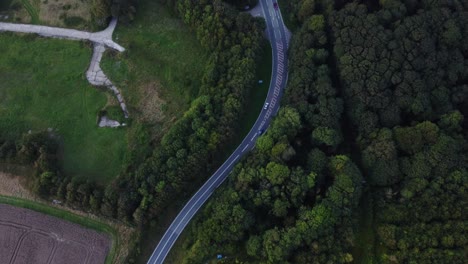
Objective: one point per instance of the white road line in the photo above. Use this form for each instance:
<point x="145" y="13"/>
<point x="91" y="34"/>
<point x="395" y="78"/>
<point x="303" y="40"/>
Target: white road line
<point x="253" y="136"/>
<point x="201" y="196"/>
<point x="196" y="202"/>
<point x="246" y="146"/>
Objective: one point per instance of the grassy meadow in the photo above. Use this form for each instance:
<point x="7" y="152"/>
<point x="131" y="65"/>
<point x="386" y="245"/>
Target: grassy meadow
<point x="42" y="86"/>
<point x="160" y="72"/>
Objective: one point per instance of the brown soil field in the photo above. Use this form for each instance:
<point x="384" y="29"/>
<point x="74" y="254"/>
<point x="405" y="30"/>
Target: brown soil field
<point x="30" y="237"/>
<point x="11" y="185"/>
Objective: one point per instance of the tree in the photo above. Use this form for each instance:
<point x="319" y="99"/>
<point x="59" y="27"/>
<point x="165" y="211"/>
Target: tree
<point x="381" y="159"/>
<point x="276" y="173"/>
<point x="327" y="136"/>
<point x="316" y="23"/>
<point x="46" y="184"/>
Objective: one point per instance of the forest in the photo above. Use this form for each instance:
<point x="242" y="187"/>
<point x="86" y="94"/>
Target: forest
<point x="373" y="120"/>
<point x="374" y="109"/>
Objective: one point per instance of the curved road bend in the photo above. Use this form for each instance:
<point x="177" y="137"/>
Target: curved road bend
<point x="279" y="38"/>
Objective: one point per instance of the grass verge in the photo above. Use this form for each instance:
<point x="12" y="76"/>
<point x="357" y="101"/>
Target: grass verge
<point x="77" y="219"/>
<point x="42" y="86"/>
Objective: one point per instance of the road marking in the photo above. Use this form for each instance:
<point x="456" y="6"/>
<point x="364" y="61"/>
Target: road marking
<point x="246" y="146"/>
<point x="175" y="230"/>
<point x="254" y="136"/>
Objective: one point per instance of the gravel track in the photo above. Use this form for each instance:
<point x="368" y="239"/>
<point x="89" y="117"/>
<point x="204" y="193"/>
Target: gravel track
<point x="101" y="40"/>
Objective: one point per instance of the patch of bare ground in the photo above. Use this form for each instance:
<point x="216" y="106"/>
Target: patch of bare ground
<point x="10" y="185"/>
<point x="151" y="105"/>
<point x="55" y="12"/>
<point x="32" y="237"/>
<point x="63" y="13"/>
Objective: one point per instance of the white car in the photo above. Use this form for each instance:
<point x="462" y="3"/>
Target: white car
<point x="265" y="107"/>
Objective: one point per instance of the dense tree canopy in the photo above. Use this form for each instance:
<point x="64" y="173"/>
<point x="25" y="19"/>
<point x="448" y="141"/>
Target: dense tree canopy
<point x="380" y="94"/>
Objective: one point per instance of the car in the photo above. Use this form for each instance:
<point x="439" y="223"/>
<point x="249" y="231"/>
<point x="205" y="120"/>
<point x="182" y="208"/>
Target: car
<point x="260" y="132"/>
<point x="275" y="5"/>
<point x="265" y="107"/>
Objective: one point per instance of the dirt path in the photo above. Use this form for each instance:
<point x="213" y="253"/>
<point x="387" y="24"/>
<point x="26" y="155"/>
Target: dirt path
<point x="101" y="40"/>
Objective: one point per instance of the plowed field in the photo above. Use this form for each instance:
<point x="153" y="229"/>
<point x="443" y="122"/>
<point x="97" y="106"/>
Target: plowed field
<point x="29" y="237"/>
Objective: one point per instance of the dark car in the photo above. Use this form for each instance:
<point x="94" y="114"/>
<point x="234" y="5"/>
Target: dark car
<point x="275" y="5"/>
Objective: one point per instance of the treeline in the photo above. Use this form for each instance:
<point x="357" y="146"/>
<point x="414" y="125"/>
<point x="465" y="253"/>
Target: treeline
<point x="292" y="199"/>
<point x="398" y="70"/>
<point x="40" y="150"/>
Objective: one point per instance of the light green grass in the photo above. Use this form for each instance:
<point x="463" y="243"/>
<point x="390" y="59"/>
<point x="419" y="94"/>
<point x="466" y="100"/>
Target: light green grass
<point x="43" y="85"/>
<point x="160" y="48"/>
<point x="77" y="219"/>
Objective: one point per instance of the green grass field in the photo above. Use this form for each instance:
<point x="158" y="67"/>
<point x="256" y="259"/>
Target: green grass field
<point x="163" y="60"/>
<point x="67" y="216"/>
<point x="43" y="85"/>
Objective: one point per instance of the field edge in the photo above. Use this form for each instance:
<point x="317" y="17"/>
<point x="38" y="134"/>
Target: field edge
<point x="70" y="217"/>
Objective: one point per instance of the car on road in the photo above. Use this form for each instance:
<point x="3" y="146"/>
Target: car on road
<point x="265" y="107"/>
<point x="260" y="132"/>
<point x="275" y="5"/>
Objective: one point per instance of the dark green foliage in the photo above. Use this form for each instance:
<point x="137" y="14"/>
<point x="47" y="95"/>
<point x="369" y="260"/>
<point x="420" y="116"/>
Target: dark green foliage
<point x="189" y="151"/>
<point x="279" y="205"/>
<point x="242" y="4"/>
<point x="403" y="67"/>
<point x="398" y="71"/>
<point x="401" y="70"/>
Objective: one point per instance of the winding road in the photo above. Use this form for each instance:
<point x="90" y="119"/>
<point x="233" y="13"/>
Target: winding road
<point x="279" y="39"/>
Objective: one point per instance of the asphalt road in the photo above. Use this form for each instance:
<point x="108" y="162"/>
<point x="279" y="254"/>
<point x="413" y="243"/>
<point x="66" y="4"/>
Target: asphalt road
<point x="279" y="39"/>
